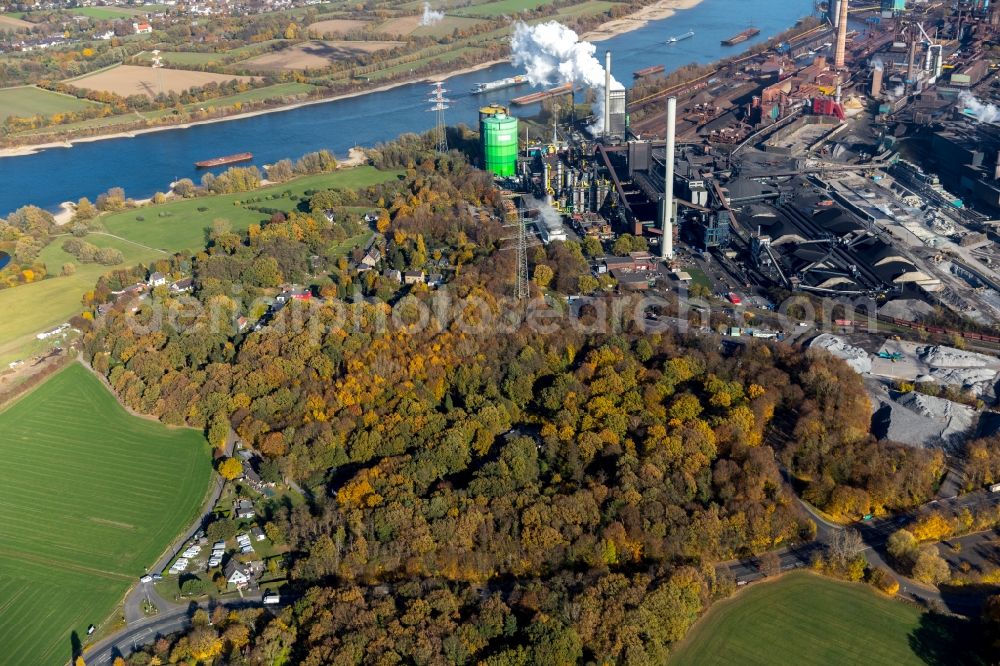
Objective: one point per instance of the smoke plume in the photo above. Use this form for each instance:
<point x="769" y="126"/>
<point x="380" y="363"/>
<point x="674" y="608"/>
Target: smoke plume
<point x="552" y="54"/>
<point x="430" y="16"/>
<point x="984" y="113"/>
<point x="878" y="64"/>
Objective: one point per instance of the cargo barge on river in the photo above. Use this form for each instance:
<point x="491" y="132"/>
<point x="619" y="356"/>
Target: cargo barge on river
<point x="741" y="37"/>
<point x="542" y="95"/>
<point x="647" y="71"/>
<point x="221" y="161"/>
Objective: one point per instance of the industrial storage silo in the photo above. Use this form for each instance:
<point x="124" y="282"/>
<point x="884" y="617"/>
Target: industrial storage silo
<point x="498" y="134"/>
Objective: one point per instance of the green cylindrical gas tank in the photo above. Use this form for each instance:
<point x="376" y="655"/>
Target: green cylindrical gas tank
<point x="499" y="136"/>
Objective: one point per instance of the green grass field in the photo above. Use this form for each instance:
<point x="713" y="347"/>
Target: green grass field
<point x="182" y="226"/>
<point x="110" y="13"/>
<point x="589" y="8"/>
<point x="292" y="89"/>
<point x="803" y="620"/>
<point x="278" y="90"/>
<point x="409" y="66"/>
<point x="25" y="101"/>
<point x="499" y="8"/>
<point x="60" y="295"/>
<point x="92" y="496"/>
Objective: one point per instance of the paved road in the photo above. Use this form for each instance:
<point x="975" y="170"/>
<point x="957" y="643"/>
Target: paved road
<point x="874" y="535"/>
<point x="173" y="618"/>
<point x="146" y="630"/>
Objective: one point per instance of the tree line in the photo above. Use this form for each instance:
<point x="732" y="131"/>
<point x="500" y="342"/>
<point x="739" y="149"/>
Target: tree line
<point x="516" y="497"/>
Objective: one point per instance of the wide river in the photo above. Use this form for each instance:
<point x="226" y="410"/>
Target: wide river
<point x="149" y="162"/>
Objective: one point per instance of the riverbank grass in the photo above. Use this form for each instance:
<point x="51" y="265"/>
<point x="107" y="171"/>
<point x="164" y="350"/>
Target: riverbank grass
<point x="92" y="496"/>
<point x="804" y="619"/>
<point x="184" y="224"/>
<point x="47" y="303"/>
<point x="163" y="229"/>
<point x="27" y="101"/>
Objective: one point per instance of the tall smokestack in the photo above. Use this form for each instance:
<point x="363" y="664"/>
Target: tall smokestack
<point x="667" y="244"/>
<point x="877" y="81"/>
<point x="607" y="93"/>
<point x="838" y="59"/>
<point x="911" y="63"/>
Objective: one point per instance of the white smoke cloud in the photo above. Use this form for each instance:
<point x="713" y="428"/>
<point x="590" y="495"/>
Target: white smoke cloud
<point x="878" y="64"/>
<point x="430" y="16"/>
<point x="984" y="113"/>
<point x="552" y="54"/>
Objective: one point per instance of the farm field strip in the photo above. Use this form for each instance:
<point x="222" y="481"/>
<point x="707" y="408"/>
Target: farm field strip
<point x="499" y="8"/>
<point x="315" y="54"/>
<point x="12" y="24"/>
<point x="128" y="80"/>
<point x="92" y="497"/>
<point x="814" y="620"/>
<point x="26" y="101"/>
<point x="41" y="607"/>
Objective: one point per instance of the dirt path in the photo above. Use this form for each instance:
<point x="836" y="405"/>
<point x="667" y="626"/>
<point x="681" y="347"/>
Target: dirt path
<point x="130" y="241"/>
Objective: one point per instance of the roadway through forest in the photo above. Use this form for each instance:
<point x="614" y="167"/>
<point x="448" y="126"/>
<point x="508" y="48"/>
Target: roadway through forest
<point x="874" y="534"/>
<point x="173" y="617"/>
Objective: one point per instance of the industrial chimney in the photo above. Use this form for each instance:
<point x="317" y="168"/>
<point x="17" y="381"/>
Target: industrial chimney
<point x="838" y="58"/>
<point x="607" y="93"/>
<point x="667" y="244"/>
<point x="877" y="74"/>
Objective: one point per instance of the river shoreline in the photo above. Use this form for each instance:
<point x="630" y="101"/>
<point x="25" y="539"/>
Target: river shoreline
<point x="654" y="12"/>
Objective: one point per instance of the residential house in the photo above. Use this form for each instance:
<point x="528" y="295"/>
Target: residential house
<point x="236" y="575"/>
<point x="435" y="280"/>
<point x="293" y="293"/>
<point x="368" y="261"/>
<point x="182" y="286"/>
<point x="243" y="508"/>
<point x="252" y="478"/>
<point x="394" y="275"/>
<point x="157" y="279"/>
<point x="257" y="533"/>
<point x="142" y="28"/>
<point x="413" y="277"/>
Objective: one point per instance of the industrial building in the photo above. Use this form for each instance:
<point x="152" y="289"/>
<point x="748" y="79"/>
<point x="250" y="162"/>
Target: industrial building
<point x="785" y="169"/>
